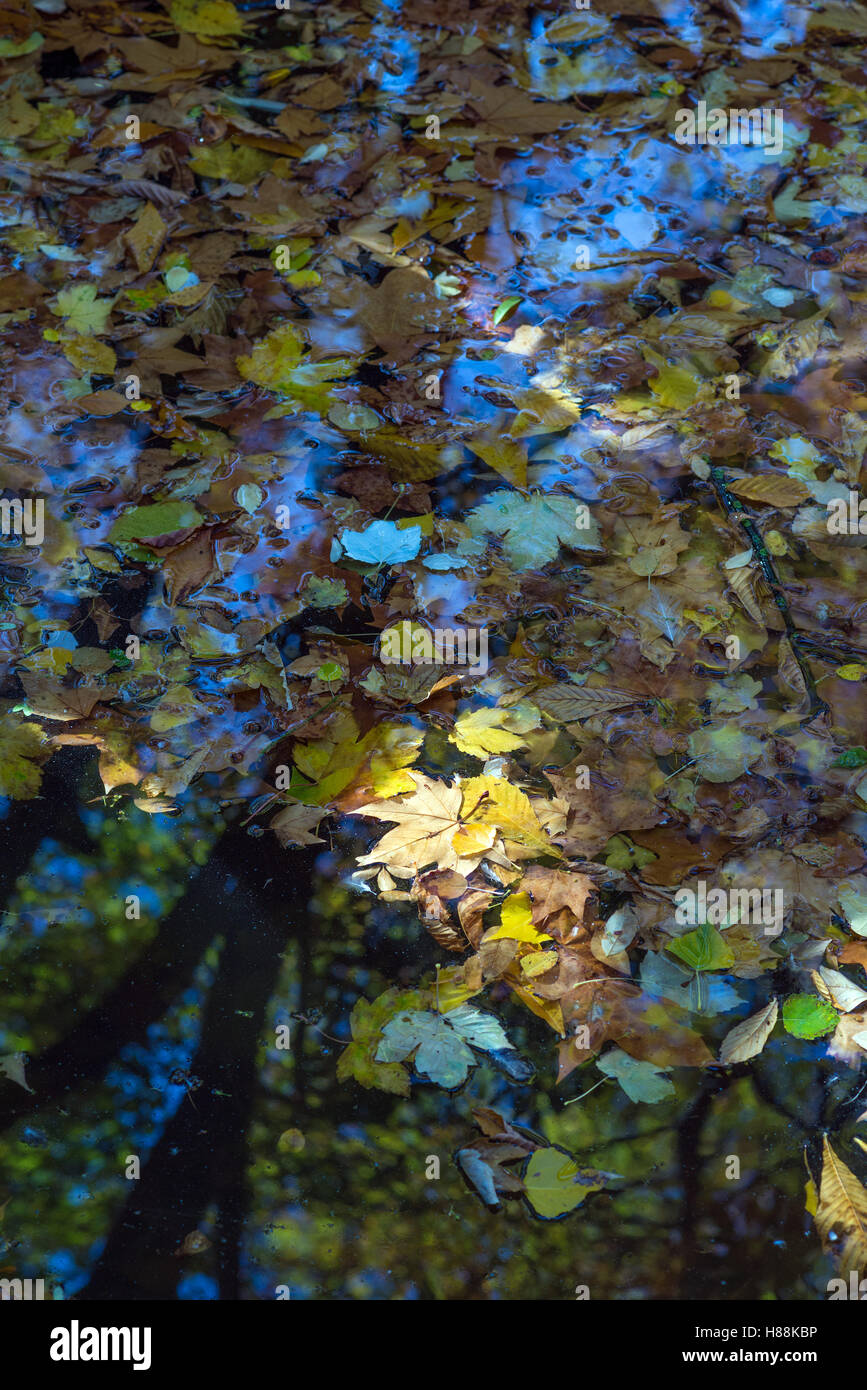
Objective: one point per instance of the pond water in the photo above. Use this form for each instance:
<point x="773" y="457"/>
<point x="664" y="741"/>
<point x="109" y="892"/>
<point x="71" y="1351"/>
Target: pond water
<point x="176" y="983"/>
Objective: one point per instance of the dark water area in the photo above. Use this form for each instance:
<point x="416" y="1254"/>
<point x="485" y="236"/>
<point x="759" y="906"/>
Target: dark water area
<point x="176" y="984"/>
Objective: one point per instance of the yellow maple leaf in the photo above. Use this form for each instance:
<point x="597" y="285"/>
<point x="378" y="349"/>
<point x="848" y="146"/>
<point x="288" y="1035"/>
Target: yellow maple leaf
<point x="495" y="801"/>
<point x="426" y="832"/>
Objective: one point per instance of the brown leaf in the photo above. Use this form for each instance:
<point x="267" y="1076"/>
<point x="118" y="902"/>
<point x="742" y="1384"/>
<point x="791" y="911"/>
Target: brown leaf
<point x="771" y="490"/>
<point x="190" y="565"/>
<point x="146" y="237"/>
<point x="293" y="825"/>
<point x="842" y="1211"/>
<point x="552" y="889"/>
<point x="566" y="702"/>
<point x="747" y="1039"/>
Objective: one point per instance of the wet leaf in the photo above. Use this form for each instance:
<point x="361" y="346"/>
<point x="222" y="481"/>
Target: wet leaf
<point x="806" y="1016"/>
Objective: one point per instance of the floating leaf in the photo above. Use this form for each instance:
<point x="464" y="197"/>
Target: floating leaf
<point x="516" y="922"/>
<point x="555" y="1184"/>
<point x="382" y="543"/>
<point x="723" y="754"/>
<point x="249" y="496"/>
<point x="439" y="1042"/>
<point x="806" y="1016"/>
<point x="506" y="309"/>
<point x="703" y="949"/>
<point x="841" y="1214"/>
<point x="747" y="1039"/>
<point x="207" y="19"/>
<point x="84" y="313"/>
<point x="481" y="735"/>
<point x="533" y="528"/>
<point x="20" y="745"/>
<point x="642" y="1081"/>
<point x="152" y="522"/>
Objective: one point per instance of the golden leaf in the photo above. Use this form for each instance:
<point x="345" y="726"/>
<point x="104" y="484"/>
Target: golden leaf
<point x="771" y="490"/>
<point x="842" y="1211"/>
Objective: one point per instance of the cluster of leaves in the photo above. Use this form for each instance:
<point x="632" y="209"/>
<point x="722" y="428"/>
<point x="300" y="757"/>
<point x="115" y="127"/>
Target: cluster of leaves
<point x="647" y="554"/>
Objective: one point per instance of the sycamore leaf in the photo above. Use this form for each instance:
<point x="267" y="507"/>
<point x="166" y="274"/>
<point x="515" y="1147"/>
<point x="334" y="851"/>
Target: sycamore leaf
<point x="367" y="1021"/>
<point x="533" y="528"/>
<point x="84" y="313"/>
<point x="841" y="1214"/>
<point x="496" y="802"/>
<point x="642" y="1081"/>
<point x="335" y="764"/>
<point x="382" y="543"/>
<point x="276" y="363"/>
<point x="481" y="735"/>
<point x="555" y="1184"/>
<point x="428" y="831"/>
<point x="747" y="1039"/>
<point x="439" y="1042"/>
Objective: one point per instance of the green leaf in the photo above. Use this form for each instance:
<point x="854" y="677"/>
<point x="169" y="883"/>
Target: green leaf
<point x="324" y="593"/>
<point x="357" y="1060"/>
<point x="555" y="1185"/>
<point x="505" y="310"/>
<point x="853" y="757"/>
<point x="160" y="519"/>
<point x="11" y="48"/>
<point x="641" y="1081"/>
<point x="621" y="853"/>
<point x="806" y="1016"/>
<point x="703" y="949"/>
